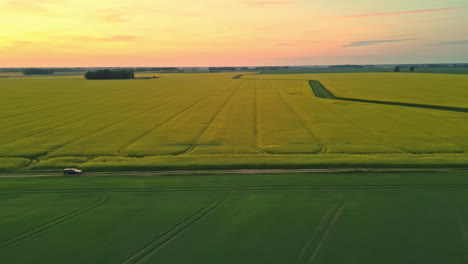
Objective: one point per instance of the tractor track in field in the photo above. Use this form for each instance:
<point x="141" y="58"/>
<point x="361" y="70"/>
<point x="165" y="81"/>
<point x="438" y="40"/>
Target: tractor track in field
<point x="63" y="105"/>
<point x="51" y="102"/>
<point x="210" y="122"/>
<point x="50" y="224"/>
<point x="411" y="126"/>
<point x="123" y="150"/>
<point x="112" y="101"/>
<point x="369" y="133"/>
<point x="314" y="137"/>
<point x="320" y="233"/>
<point x="123" y="91"/>
<point x="427" y="133"/>
<point x="242" y="188"/>
<point x="444" y="120"/>
<point x="65" y="125"/>
<point x="109" y="125"/>
<point x="156" y="245"/>
<point x="61" y="126"/>
<point x="256" y="128"/>
<point x="327" y="228"/>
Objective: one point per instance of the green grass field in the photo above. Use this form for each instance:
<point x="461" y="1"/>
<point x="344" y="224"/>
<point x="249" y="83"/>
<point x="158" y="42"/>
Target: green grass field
<point x="192" y="121"/>
<point x="418" y="217"/>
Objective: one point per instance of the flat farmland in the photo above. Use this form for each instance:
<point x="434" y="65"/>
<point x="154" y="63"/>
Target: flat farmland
<point x="422" y="88"/>
<point x="197" y="121"/>
<point x="418" y="217"/>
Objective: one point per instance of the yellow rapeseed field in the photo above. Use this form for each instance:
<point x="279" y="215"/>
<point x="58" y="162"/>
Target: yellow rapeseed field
<point x="213" y="121"/>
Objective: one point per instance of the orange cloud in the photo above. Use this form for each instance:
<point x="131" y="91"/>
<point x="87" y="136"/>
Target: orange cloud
<point x="402" y="12"/>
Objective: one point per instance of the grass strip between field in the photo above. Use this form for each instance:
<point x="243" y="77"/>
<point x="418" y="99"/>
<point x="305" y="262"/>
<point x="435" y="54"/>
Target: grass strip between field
<point x="257" y="161"/>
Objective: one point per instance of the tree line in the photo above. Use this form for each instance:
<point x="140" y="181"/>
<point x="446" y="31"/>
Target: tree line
<point x="109" y="74"/>
<point x="31" y="71"/>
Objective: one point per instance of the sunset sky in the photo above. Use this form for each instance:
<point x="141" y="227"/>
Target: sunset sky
<point x="53" y="33"/>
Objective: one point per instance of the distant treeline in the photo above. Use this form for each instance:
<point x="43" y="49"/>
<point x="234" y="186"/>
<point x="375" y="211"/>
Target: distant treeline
<point x="156" y="69"/>
<point x="461" y="65"/>
<point x="346" y="66"/>
<point x="272" y="68"/>
<point x="109" y="74"/>
<point x="32" y="71"/>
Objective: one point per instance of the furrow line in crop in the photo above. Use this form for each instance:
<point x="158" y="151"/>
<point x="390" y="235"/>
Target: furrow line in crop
<point x="210" y="122"/>
<point x="367" y="132"/>
<point x="50" y="224"/>
<point x="312" y="247"/>
<point x="47" y="129"/>
<point x="246" y="188"/>
<point x="255" y="115"/>
<point x="74" y="110"/>
<point x="425" y="132"/>
<point x="323" y="146"/>
<point x="323" y="237"/>
<point x="123" y="150"/>
<point x="317" y="232"/>
<point x="153" y="247"/>
<point x="64" y="105"/>
<point x="110" y="125"/>
<point x="104" y="95"/>
<point x="72" y="123"/>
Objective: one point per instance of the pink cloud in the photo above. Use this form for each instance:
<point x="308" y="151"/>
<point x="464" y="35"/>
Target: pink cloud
<point x="402" y="12"/>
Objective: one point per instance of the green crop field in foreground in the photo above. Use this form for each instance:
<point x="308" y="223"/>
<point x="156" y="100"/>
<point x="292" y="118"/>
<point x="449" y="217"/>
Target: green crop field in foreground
<point x="297" y="218"/>
<point x="213" y="121"/>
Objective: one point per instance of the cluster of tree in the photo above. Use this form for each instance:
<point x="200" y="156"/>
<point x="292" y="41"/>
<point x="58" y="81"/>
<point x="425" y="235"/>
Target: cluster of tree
<point x="109" y="74"/>
<point x="32" y="71"/>
<point x="411" y="68"/>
